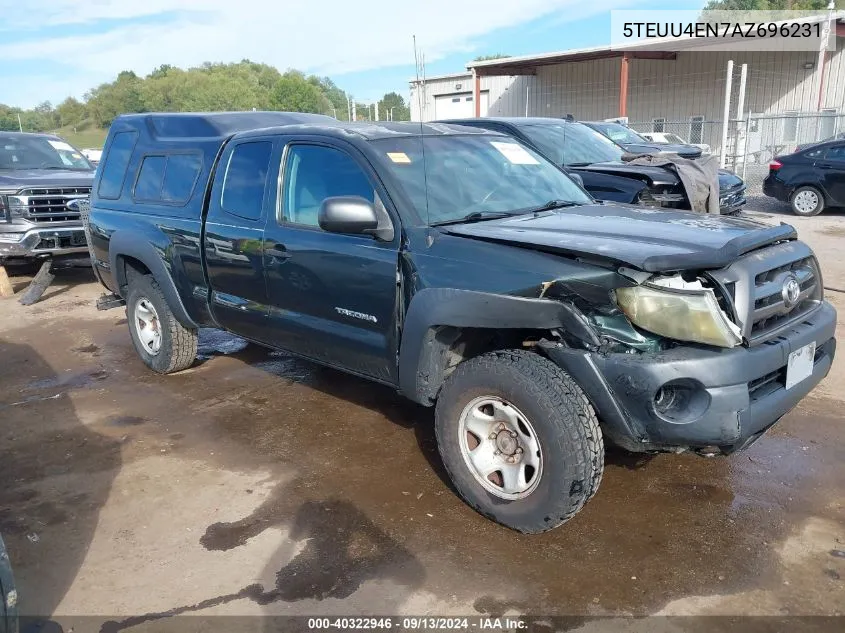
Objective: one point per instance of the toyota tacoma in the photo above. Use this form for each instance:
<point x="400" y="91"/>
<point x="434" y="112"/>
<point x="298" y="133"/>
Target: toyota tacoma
<point x="466" y="271"/>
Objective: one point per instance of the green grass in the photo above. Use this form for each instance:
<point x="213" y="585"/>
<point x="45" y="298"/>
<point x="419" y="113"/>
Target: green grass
<point x="91" y="137"/>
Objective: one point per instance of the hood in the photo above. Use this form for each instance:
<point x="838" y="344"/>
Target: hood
<point x="651" y="174"/>
<point x="654" y="174"/>
<point x="687" y="151"/>
<point x="648" y="239"/>
<point x="19" y="178"/>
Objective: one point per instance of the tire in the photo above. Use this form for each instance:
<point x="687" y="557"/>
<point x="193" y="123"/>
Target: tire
<point x="801" y="201"/>
<point x="177" y="345"/>
<point x="552" y="409"/>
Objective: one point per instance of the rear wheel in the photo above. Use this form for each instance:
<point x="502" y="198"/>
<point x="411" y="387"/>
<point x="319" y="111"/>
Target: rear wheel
<point x="519" y="440"/>
<point x="807" y="201"/>
<point x="164" y="344"/>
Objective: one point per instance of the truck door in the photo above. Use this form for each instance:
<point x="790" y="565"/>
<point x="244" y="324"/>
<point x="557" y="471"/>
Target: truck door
<point x="237" y="212"/>
<point x="332" y="296"/>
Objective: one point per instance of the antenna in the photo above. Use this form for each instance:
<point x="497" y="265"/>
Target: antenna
<point x="420" y="88"/>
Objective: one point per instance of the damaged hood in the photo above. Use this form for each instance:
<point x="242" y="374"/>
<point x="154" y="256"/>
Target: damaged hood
<point x="654" y="175"/>
<point x="648" y="239"/>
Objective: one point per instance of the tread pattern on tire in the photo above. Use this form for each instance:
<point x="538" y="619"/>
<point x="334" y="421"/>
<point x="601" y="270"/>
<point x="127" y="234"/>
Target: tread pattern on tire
<point x="183" y="341"/>
<point x="564" y="394"/>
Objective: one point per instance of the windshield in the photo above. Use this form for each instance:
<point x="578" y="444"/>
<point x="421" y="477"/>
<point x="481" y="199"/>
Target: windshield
<point x="40" y="152"/>
<point x="618" y="133"/>
<point x="573" y="144"/>
<point x="474" y="174"/>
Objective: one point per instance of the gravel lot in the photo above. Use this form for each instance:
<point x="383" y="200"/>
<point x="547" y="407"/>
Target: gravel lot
<point x="254" y="483"/>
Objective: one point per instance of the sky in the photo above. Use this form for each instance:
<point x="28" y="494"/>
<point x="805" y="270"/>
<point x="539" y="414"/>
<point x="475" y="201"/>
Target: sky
<point x="51" y="49"/>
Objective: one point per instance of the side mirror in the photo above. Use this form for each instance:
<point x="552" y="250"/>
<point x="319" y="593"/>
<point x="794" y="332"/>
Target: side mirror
<point x="347" y="214"/>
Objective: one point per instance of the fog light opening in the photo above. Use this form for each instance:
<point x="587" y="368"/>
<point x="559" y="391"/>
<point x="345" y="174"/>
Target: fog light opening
<point x="681" y="401"/>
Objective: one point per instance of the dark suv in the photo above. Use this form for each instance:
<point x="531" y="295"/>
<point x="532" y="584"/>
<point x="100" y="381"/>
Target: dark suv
<point x="598" y="161"/>
<point x="43" y="180"/>
<point x="466" y="271"/>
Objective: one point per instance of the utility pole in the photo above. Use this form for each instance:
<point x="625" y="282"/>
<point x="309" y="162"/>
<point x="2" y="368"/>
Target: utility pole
<point x="348" y="109"/>
<point x="376" y="110"/>
<point x="723" y="150"/>
<point x="20" y="125"/>
<point x="820" y="63"/>
<point x="354" y="110"/>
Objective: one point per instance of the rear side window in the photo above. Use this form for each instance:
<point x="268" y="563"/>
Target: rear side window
<point x="246" y="179"/>
<point x="180" y="176"/>
<point x="150" y="178"/>
<point x="167" y="179"/>
<point x="117" y="161"/>
<point x="836" y="153"/>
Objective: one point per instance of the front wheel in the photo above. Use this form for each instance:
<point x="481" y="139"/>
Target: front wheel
<point x="519" y="439"/>
<point x="807" y="201"/>
<point x="164" y="344"/>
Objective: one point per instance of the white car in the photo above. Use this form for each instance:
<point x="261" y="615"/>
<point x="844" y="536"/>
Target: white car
<point x="668" y="137"/>
<point x="93" y="155"/>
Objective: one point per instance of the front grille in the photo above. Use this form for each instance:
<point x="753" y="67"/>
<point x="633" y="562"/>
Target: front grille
<point x="769" y="308"/>
<point x="670" y="197"/>
<point x="733" y="196"/>
<point x="757" y="282"/>
<point x="763" y="386"/>
<point x="50" y="204"/>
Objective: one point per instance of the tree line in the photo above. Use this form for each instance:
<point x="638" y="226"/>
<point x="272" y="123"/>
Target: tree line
<point x="211" y="87"/>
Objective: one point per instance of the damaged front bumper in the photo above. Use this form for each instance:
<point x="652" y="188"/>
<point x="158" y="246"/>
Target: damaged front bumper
<point x="39" y="241"/>
<point x="695" y="397"/>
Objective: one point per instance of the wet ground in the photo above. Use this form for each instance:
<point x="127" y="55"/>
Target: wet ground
<point x="254" y="483"/>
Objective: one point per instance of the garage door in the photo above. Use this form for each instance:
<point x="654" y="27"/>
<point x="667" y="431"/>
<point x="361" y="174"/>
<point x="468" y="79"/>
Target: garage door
<point x="458" y="105"/>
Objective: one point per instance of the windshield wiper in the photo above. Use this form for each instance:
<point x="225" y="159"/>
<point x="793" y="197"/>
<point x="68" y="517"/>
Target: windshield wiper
<point x="576" y="164"/>
<point x="475" y="216"/>
<point x="552" y="204"/>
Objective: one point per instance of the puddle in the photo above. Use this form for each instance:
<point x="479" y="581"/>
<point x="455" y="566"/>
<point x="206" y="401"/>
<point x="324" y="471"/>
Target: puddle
<point x="69" y="380"/>
<point x="217" y="342"/>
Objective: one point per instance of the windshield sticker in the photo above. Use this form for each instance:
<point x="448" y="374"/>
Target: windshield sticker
<point x="516" y="154"/>
<point x="399" y="157"/>
<point x="60" y="145"/>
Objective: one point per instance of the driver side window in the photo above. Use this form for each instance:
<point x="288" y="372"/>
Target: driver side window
<point x="314" y="173"/>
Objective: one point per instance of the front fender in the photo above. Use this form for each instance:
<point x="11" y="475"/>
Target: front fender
<point x="422" y="353"/>
<point x="128" y="245"/>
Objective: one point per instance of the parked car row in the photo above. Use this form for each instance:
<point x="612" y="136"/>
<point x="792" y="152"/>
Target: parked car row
<point x="635" y="143"/>
<point x="469" y="272"/>
<point x="597" y="160"/>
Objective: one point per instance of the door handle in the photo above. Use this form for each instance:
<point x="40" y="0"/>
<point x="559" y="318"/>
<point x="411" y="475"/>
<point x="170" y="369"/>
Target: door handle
<point x="278" y="251"/>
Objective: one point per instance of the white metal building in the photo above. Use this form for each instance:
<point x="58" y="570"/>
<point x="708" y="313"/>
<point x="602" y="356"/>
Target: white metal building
<point x="683" y="85"/>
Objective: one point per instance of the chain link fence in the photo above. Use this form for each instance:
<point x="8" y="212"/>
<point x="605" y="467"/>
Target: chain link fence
<point x="751" y="143"/>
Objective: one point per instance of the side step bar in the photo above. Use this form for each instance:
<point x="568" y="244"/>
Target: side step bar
<point x="109" y="301"/>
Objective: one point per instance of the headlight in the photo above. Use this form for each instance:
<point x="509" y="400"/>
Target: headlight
<point x="12" y="206"/>
<point x="684" y="315"/>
